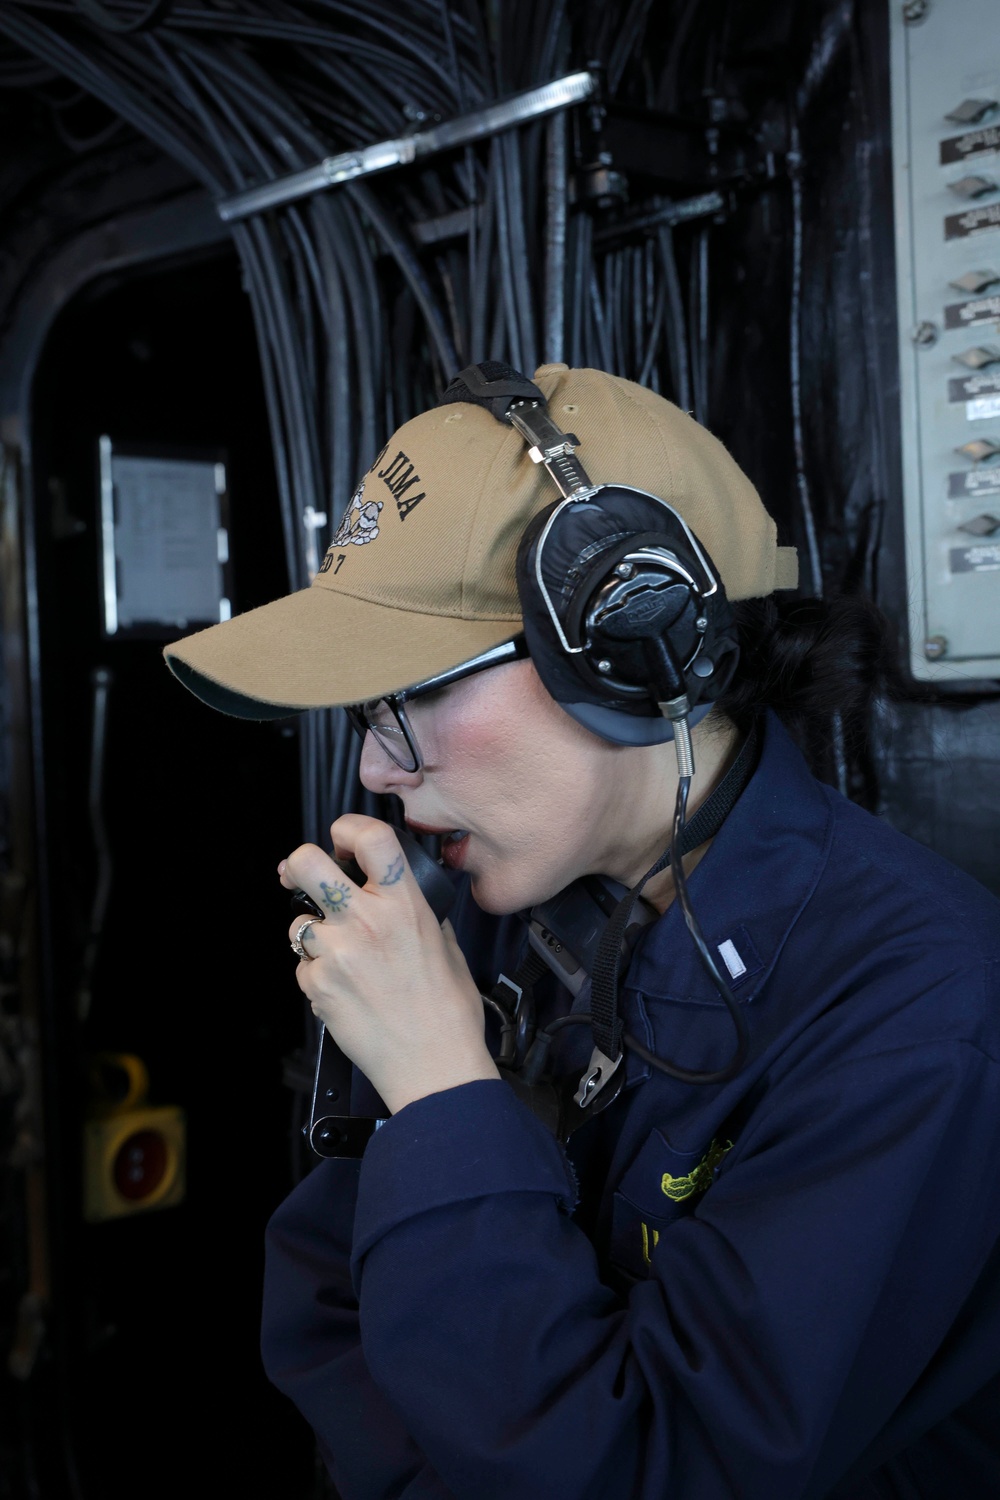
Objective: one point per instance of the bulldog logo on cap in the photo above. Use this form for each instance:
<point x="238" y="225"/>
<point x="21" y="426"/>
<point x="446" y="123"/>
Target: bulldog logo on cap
<point x="358" y="526"/>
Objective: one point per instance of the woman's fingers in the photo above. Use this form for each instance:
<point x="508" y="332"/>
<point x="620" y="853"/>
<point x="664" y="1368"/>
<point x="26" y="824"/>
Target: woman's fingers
<point x="391" y="986"/>
<point x="376" y="852"/>
<point x="299" y="934"/>
<point x="308" y="869"/>
<point x="374" y="846"/>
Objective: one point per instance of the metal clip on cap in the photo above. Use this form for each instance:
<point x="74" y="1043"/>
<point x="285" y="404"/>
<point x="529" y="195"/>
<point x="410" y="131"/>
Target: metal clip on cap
<point x="549" y="445"/>
<point x="596" y="1076"/>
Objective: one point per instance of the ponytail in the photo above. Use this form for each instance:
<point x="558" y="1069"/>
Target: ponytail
<point x="820" y="665"/>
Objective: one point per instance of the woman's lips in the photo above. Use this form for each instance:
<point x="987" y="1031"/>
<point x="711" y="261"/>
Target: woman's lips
<point x="453" y="851"/>
<point x="454" y="842"/>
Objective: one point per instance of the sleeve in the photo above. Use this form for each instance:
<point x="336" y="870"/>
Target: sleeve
<point x="311" y="1344"/>
<point x="773" y="1337"/>
<point x="310" y="1337"/>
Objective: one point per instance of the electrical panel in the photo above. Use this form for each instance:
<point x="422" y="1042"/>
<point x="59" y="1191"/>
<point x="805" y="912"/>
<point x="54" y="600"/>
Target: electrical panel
<point x="945" y="69"/>
<point x="164" y="542"/>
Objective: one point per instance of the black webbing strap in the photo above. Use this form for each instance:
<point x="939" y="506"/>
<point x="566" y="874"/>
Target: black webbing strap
<point x="530" y="969"/>
<point x="705" y="824"/>
<point x="515" y="994"/>
<point x="493" y="385"/>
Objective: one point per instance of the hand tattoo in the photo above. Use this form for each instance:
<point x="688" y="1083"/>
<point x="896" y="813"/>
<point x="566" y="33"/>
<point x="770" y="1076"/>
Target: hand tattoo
<point x="394" y="874"/>
<point x="335" y="897"/>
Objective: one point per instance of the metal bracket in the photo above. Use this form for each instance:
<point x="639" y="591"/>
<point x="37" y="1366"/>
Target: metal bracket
<point x="549" y="445"/>
<point x="596" y="1076"/>
<point x="515" y="989"/>
<point x="533" y="104"/>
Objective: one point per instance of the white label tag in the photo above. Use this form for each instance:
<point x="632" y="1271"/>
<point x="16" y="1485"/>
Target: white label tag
<point x="732" y="959"/>
<point x="983" y="406"/>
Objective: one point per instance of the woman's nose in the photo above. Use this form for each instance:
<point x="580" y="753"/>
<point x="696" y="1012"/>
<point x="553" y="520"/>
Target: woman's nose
<point x="380" y="773"/>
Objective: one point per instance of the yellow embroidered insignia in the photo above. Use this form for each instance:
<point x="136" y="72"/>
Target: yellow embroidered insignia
<point x="646" y="1237"/>
<point x="697" y="1180"/>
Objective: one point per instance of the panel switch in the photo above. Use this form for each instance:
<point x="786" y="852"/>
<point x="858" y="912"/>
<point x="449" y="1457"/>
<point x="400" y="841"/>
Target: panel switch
<point x="971" y="111"/>
<point x="981" y="525"/>
<point x="973" y="186"/>
<point x="974" y="282"/>
<point x="979" y="357"/>
<point x="979" y="449"/>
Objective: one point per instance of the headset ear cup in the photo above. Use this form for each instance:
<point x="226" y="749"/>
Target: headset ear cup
<point x="596" y="662"/>
<point x="527" y="586"/>
<point x="571" y="677"/>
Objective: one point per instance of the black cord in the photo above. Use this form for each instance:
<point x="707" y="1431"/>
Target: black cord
<point x="506" y="1054"/>
<point x="711" y="968"/>
<point x="706" y="820"/>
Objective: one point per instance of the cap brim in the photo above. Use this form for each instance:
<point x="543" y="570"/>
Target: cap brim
<point x="319" y="649"/>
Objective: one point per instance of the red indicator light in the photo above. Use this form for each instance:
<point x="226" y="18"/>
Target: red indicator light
<point x="140" y="1164"/>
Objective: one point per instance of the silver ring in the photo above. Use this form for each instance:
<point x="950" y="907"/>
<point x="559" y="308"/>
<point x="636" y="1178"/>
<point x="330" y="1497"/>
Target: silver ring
<point x="297" y="945"/>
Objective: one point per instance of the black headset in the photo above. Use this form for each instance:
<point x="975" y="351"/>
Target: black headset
<point x="625" y="615"/>
<point x="629" y="628"/>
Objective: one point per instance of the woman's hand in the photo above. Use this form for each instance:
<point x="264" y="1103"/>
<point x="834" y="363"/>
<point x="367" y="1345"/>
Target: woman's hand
<point x="389" y="983"/>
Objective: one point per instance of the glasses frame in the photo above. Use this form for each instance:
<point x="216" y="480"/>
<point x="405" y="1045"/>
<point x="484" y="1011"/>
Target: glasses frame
<point x="512" y="650"/>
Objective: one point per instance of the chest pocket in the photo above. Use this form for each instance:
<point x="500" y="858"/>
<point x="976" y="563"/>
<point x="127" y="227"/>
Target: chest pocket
<point x="661" y="1186"/>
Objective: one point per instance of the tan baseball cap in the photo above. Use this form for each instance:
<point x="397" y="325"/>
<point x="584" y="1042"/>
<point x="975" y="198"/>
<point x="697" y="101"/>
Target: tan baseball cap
<point x="420" y="575"/>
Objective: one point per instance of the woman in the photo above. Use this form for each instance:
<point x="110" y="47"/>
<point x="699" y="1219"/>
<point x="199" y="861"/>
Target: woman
<point x="778" y="1281"/>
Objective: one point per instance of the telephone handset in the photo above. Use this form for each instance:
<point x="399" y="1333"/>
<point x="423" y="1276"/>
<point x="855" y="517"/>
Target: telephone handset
<point x="565" y="932"/>
<point x="345" y="1135"/>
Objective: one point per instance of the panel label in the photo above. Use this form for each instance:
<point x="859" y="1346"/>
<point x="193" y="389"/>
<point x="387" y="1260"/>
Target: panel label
<point x="974" y="483"/>
<point x="972" y="221"/>
<point x="984" y="408"/>
<point x="968" y="386"/>
<point x="982" y="558"/>
<point x="973" y="143"/>
<point x="972" y="314"/>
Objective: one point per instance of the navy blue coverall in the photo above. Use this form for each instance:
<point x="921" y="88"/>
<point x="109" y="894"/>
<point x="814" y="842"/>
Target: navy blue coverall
<point x="779" y="1288"/>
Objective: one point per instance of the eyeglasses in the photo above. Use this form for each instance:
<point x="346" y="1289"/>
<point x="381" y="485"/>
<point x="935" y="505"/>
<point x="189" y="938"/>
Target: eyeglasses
<point x="386" y="717"/>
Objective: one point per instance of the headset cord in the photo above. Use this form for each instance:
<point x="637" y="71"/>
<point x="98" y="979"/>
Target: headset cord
<point x="609" y="1034"/>
<point x="709" y="964"/>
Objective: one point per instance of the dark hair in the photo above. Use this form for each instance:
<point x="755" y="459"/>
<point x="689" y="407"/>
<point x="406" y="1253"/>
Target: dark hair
<point x="821" y="665"/>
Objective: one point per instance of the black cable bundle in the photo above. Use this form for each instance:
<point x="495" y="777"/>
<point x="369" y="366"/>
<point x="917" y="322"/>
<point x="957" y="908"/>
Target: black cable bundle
<point x="368" y="298"/>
